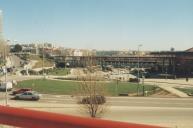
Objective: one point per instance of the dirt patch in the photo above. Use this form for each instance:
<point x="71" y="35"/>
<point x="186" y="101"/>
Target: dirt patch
<point x="162" y="93"/>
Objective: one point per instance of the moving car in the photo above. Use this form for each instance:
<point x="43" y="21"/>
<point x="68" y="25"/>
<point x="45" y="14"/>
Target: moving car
<point x="28" y="95"/>
<point x="21" y="90"/>
<point x="97" y="99"/>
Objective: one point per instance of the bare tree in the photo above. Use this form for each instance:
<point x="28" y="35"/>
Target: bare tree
<point x="91" y="92"/>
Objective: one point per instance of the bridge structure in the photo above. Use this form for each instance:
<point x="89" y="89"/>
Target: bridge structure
<point x="175" y="63"/>
<point x="160" y="62"/>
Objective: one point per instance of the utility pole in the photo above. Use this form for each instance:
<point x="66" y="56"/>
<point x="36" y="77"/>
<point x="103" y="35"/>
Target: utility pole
<point x="117" y="82"/>
<point x="166" y="72"/>
<point x="143" y="77"/>
<point x="5" y="67"/>
<point x="138" y="69"/>
<point x="5" y="74"/>
<point x="43" y="60"/>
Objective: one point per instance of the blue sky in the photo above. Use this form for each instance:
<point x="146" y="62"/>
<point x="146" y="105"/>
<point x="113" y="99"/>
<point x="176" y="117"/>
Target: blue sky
<point x="101" y="24"/>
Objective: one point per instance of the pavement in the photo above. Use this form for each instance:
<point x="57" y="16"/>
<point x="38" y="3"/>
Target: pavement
<point x="173" y="82"/>
<point x="21" y="78"/>
<point x="173" y="91"/>
<point x="170" y="84"/>
<point x="166" y="112"/>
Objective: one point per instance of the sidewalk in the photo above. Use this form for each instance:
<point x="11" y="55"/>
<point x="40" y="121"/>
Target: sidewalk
<point x="173" y="91"/>
<point x="170" y="84"/>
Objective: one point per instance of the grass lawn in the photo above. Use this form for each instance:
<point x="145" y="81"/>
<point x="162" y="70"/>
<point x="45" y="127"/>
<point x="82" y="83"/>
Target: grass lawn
<point x="125" y="87"/>
<point x="70" y="87"/>
<point x="50" y="86"/>
<point x="186" y="90"/>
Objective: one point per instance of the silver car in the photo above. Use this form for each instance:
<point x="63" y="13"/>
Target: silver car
<point x="29" y="95"/>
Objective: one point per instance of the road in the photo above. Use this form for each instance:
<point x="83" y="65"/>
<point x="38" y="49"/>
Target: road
<point x="169" y="112"/>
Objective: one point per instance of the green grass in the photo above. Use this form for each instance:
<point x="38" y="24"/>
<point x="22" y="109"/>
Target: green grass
<point x="125" y="87"/>
<point x="186" y="90"/>
<point x="70" y="87"/>
<point x="50" y="86"/>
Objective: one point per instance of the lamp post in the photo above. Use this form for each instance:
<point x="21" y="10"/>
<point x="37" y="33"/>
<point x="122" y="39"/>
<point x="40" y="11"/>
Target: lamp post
<point x="143" y="77"/>
<point x="5" y="73"/>
<point x="117" y="82"/>
<point x="138" y="50"/>
<point x="43" y="61"/>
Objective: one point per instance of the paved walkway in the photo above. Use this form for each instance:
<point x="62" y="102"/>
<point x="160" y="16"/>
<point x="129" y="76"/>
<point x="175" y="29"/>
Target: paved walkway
<point x="169" y="85"/>
<point x="174" y="83"/>
<point x="173" y="91"/>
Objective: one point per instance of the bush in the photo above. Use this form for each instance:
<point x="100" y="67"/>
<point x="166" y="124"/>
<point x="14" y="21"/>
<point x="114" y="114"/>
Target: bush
<point x="135" y="80"/>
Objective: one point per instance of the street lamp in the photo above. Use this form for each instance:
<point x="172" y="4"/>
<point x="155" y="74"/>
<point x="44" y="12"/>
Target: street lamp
<point x="5" y="73"/>
<point x="140" y="45"/>
<point x="43" y="61"/>
<point x="117" y="82"/>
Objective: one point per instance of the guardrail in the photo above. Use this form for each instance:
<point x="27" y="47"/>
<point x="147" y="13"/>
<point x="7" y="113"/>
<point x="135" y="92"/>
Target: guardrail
<point x="37" y="119"/>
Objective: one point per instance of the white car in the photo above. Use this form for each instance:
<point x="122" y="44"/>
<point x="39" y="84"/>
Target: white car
<point x="29" y="95"/>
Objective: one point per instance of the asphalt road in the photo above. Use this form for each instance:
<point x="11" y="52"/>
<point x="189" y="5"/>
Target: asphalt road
<point x="168" y="112"/>
<point x="118" y="101"/>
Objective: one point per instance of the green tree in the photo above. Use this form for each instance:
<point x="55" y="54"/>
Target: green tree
<point x="17" y="48"/>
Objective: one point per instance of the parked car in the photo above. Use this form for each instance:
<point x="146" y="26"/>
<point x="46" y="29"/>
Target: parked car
<point x="98" y="99"/>
<point x="21" y="90"/>
<point x="5" y="85"/>
<point x="29" y="95"/>
<point x="134" y="80"/>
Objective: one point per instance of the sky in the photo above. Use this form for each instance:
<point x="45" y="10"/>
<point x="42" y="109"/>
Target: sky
<point x="101" y="24"/>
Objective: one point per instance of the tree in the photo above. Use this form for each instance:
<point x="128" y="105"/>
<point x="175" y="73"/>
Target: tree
<point x="17" y="48"/>
<point x="91" y="92"/>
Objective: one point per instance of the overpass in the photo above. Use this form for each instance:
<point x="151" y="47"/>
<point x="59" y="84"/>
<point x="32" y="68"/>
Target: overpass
<point x="159" y="62"/>
<point x="176" y="63"/>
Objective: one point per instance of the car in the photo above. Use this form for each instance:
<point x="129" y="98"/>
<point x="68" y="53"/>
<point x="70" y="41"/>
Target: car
<point x="28" y="95"/>
<point x="21" y="90"/>
<point x="97" y="99"/>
